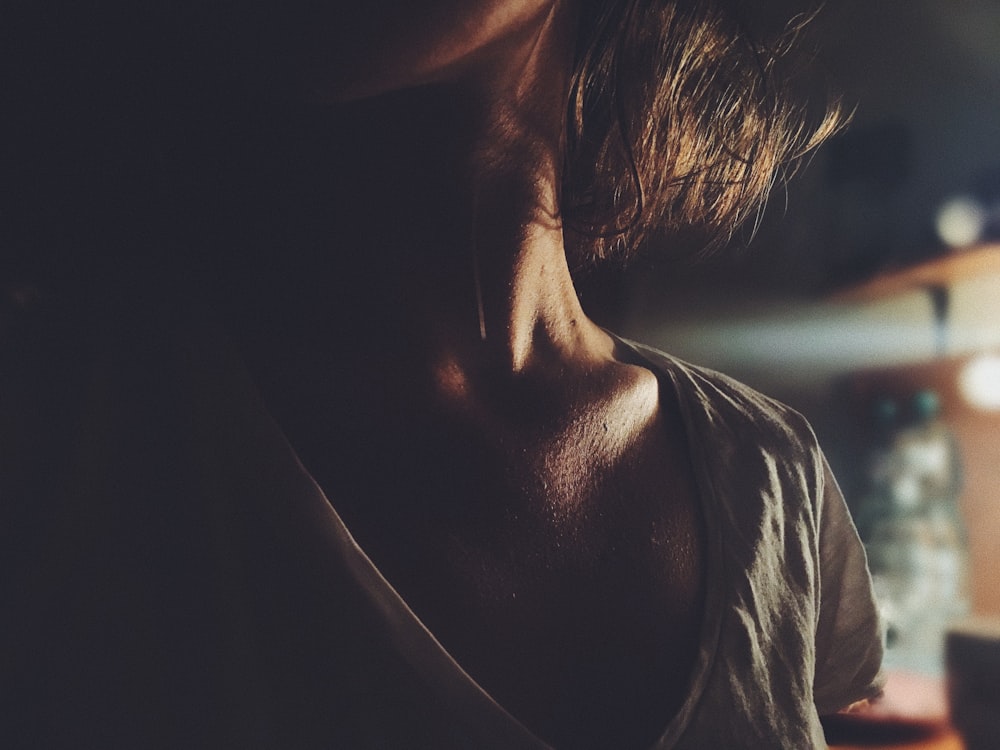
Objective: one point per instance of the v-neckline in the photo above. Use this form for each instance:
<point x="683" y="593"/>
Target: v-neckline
<point x="445" y="675"/>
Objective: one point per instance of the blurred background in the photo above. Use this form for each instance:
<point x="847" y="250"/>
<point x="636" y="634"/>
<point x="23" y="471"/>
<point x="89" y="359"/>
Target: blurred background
<point x="870" y="301"/>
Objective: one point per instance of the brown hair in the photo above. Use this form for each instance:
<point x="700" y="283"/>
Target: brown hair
<point x="680" y="122"/>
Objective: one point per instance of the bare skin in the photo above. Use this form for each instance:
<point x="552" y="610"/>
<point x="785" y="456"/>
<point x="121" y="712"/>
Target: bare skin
<point x="524" y="485"/>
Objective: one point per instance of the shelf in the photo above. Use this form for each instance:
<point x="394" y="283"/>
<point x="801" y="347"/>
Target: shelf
<point x="944" y="271"/>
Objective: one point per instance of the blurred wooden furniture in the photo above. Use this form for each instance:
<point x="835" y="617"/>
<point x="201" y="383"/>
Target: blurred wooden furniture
<point x="911" y="714"/>
<point x="947" y="740"/>
<point x="942" y="271"/>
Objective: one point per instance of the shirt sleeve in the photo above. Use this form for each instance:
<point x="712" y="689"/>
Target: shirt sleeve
<point x="849" y="641"/>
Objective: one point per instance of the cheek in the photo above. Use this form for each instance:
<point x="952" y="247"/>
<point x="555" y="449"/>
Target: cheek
<point x="336" y="53"/>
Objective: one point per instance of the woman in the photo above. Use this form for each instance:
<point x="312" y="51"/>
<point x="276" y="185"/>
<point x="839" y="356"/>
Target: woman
<point x="499" y="525"/>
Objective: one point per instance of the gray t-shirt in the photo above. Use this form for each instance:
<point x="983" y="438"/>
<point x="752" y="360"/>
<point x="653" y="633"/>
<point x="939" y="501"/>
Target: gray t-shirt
<point x="791" y="629"/>
<point x="175" y="577"/>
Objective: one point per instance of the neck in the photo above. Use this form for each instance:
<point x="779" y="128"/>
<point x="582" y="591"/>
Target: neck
<point x="447" y="228"/>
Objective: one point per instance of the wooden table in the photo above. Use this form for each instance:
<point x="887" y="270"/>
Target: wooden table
<point x="946" y="740"/>
<point x="919" y="702"/>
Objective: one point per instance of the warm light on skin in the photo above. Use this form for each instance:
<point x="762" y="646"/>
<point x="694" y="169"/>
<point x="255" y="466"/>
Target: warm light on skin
<point x="604" y="433"/>
<point x="570" y="437"/>
<point x="393" y="46"/>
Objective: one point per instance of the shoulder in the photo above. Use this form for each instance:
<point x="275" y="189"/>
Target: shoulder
<point x="762" y="481"/>
<point x="729" y="407"/>
<point x="744" y="443"/>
